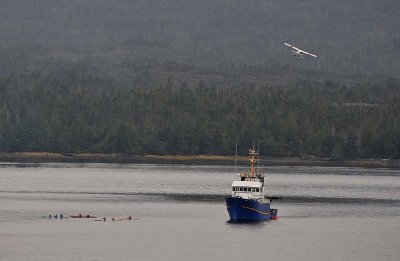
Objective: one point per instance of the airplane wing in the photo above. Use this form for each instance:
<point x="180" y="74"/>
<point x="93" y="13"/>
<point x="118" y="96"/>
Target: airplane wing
<point x="313" y="55"/>
<point x="297" y="49"/>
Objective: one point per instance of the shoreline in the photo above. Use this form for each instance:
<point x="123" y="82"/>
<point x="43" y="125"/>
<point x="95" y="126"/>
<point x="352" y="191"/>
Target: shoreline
<point x="43" y="157"/>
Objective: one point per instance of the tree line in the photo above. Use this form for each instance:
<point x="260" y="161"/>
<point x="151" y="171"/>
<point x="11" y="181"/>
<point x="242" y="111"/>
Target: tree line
<point x="95" y="114"/>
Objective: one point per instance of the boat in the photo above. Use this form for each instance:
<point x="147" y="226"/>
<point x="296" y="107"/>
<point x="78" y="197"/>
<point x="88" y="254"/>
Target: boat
<point x="122" y="218"/>
<point x="248" y="202"/>
<point x="82" y="216"/>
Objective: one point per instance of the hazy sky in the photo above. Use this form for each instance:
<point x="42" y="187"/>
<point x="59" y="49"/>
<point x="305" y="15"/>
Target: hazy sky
<point x="352" y="35"/>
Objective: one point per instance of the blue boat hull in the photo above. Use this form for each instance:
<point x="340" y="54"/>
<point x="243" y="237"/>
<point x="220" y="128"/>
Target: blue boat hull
<point x="247" y="210"/>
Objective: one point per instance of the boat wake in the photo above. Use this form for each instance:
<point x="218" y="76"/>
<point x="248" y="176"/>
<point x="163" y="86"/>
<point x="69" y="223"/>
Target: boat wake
<point x="179" y="197"/>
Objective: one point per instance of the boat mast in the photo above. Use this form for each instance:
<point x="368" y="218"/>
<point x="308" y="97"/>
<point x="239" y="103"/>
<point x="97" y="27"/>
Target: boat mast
<point x="258" y="155"/>
<point x="236" y="153"/>
<point x="253" y="160"/>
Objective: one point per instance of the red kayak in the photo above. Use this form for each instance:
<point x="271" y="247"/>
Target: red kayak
<point x="82" y="216"/>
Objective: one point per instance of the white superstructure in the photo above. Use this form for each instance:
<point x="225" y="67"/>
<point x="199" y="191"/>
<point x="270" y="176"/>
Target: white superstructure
<point x="250" y="185"/>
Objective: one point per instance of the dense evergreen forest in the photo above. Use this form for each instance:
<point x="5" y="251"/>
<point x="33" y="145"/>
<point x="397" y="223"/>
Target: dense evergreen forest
<point x="94" y="114"/>
<point x="189" y="77"/>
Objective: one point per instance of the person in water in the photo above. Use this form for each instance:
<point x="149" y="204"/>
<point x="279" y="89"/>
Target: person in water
<point x="61" y="216"/>
<point x="49" y="216"/>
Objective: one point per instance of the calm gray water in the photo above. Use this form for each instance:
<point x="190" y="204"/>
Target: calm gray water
<point x="327" y="213"/>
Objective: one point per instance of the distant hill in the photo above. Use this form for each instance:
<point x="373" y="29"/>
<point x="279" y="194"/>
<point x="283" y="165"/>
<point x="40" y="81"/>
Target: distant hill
<point x="192" y="76"/>
<point x="221" y="40"/>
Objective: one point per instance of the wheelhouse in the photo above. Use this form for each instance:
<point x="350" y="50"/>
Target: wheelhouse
<point x="247" y="189"/>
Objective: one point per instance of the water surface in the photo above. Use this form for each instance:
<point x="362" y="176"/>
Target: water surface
<point x="326" y="213"/>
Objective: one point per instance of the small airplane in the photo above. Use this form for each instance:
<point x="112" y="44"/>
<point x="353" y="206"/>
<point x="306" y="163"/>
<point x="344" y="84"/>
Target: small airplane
<point x="298" y="52"/>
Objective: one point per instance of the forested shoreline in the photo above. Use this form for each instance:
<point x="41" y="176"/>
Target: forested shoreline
<point x="95" y="114"/>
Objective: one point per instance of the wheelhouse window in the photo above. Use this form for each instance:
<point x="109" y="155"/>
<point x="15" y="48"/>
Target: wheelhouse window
<point x="246" y="189"/>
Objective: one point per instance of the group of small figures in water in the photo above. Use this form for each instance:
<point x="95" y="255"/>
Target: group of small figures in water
<point x="56" y="216"/>
<point x="89" y="216"/>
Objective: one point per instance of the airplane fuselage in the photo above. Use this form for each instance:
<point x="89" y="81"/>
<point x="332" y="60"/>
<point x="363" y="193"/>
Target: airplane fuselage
<point x="298" y="53"/>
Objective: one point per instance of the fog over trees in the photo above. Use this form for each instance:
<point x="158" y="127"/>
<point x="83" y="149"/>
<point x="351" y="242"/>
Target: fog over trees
<point x="186" y="76"/>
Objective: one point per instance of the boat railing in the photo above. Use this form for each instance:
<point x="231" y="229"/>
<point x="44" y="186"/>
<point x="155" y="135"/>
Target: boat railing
<point x="247" y="176"/>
